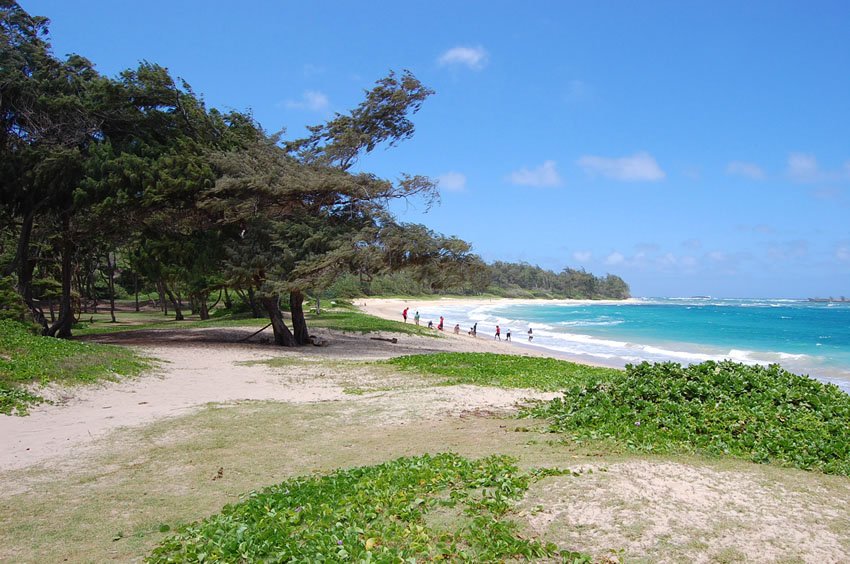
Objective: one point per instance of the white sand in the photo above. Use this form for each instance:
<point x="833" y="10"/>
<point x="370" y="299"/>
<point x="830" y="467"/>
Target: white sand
<point x="207" y="366"/>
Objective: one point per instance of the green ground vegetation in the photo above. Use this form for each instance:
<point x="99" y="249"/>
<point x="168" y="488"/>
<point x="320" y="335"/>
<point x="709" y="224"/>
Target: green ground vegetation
<point x="763" y="414"/>
<point x="435" y="507"/>
<point x="27" y="359"/>
<point x="504" y="371"/>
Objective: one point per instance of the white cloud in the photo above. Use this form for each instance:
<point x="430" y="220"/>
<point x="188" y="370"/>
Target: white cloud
<point x="544" y="175"/>
<point x="803" y="168"/>
<point x="452" y="181"/>
<point x="638" y="167"/>
<point x="842" y="253"/>
<point x="311" y="100"/>
<point x="748" y="170"/>
<point x="582" y="256"/>
<point x="692" y="244"/>
<point x="615" y="258"/>
<point x="473" y="57"/>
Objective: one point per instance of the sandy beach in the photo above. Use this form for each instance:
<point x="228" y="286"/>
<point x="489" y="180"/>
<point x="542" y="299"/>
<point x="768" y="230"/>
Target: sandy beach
<point x="214" y="420"/>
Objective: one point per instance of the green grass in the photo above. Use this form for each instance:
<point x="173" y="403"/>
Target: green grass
<point x="27" y="359"/>
<point x="504" y="371"/>
<point x="354" y="321"/>
<point x="340" y="319"/>
<point x="441" y="507"/>
<point x="100" y="323"/>
<point x="762" y="414"/>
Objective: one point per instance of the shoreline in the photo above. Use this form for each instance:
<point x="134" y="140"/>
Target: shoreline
<point x="391" y="308"/>
<point x="684" y="353"/>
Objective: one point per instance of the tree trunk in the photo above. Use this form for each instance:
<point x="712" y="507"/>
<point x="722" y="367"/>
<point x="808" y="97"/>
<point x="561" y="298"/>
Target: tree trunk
<point x="178" y="312"/>
<point x="252" y="301"/>
<point x="25" y="273"/>
<point x="110" y="265"/>
<point x="62" y="327"/>
<point x="136" y="289"/>
<point x="228" y="304"/>
<point x="163" y="305"/>
<point x="282" y="335"/>
<point x="200" y="301"/>
<point x="299" y="324"/>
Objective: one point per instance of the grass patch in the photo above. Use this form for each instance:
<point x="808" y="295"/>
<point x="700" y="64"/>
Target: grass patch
<point x="356" y="322"/>
<point x="27" y="359"/>
<point x="763" y="414"/>
<point x="504" y="371"/>
<point x="374" y="512"/>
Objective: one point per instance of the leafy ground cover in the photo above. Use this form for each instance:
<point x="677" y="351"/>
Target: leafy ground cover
<point x="27" y="359"/>
<point x="763" y="414"/>
<point x="506" y="371"/>
<point x="435" y="507"/>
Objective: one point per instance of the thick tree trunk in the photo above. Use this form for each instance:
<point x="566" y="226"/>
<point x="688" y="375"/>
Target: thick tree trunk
<point x="201" y="304"/>
<point x="299" y="324"/>
<point x="282" y="335"/>
<point x="62" y="327"/>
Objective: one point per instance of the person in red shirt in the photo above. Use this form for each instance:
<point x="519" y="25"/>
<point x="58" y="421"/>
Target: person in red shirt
<point x="440" y="326"/>
<point x="498" y="333"/>
<point x="404" y="314"/>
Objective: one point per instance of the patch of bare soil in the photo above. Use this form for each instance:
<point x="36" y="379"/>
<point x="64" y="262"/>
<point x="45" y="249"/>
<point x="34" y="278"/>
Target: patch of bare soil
<point x="662" y="511"/>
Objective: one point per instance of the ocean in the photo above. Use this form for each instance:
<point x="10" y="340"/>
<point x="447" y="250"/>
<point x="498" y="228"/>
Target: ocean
<point x="804" y="337"/>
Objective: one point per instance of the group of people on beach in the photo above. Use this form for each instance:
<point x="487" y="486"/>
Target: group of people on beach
<point x="473" y="331"/>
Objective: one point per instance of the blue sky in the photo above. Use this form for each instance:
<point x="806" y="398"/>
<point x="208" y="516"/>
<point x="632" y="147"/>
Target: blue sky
<point x="690" y="147"/>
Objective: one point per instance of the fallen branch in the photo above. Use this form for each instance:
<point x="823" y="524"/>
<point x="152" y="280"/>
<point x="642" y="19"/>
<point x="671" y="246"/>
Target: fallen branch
<point x="393" y="340"/>
<point x="254" y="333"/>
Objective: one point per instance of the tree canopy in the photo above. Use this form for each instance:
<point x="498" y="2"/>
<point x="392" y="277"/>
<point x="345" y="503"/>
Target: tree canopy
<point x="133" y="178"/>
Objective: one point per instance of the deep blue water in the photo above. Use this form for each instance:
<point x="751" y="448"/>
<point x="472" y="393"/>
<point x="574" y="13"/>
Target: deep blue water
<point x="804" y="337"/>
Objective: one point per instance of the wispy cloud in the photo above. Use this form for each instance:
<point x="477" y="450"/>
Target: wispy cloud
<point x="473" y="57"/>
<point x="804" y="168"/>
<point x="544" y="175"/>
<point x="312" y="100"/>
<point x="582" y="256"/>
<point x="747" y="170"/>
<point x="635" y="168"/>
<point x="615" y="258"/>
<point x="842" y="252"/>
<point x="452" y="181"/>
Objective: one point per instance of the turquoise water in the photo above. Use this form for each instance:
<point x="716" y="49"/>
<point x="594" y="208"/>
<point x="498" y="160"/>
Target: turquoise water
<point x="804" y="337"/>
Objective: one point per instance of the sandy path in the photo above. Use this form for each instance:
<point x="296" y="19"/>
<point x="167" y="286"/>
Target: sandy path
<point x="208" y="366"/>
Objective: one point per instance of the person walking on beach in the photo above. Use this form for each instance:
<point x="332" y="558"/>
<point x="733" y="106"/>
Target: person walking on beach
<point x="508" y="335"/>
<point x="440" y="326"/>
<point x="404" y="314"/>
<point x="498" y="333"/>
<point x="457" y="329"/>
<point x="416" y="318"/>
<point x="530" y="336"/>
